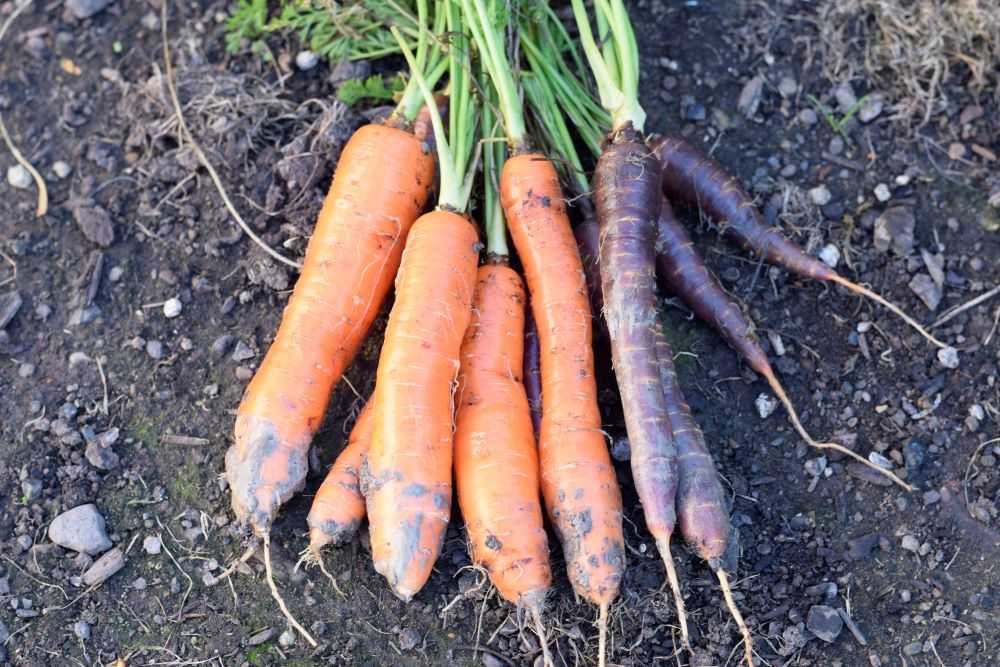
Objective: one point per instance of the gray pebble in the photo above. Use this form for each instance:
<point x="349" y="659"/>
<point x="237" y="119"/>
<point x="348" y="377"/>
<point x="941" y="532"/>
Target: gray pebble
<point x="820" y="195"/>
<point x="24" y="542"/>
<point x="910" y="543"/>
<point x="61" y="169"/>
<point x="25" y="370"/>
<point x="104" y="568"/>
<point x="31" y="489"/>
<point x="150" y="21"/>
<point x="894" y="229"/>
<point x="80" y="529"/>
<point x="787" y="86"/>
<point x="242" y="352"/>
<point x="172" y="308"/>
<point x="152" y="545"/>
<point x="222" y="344"/>
<point x="286" y="638"/>
<point x="913" y="455"/>
<point x="82" y="630"/>
<point x="924" y="287"/>
<point x="154" y="349"/>
<point x="845" y="97"/>
<point x="882" y="192"/>
<point x="871" y="108"/>
<point x="621" y="449"/>
<point x="84" y="9"/>
<point x="10" y="303"/>
<point x="306" y="60"/>
<point x="116" y="273"/>
<point x="836" y="146"/>
<point x="100" y="456"/>
<point x="948" y="357"/>
<point x="808" y="117"/>
<point x="830" y="255"/>
<point x="18" y="177"/>
<point x="824" y="622"/>
<point x="409" y="639"/>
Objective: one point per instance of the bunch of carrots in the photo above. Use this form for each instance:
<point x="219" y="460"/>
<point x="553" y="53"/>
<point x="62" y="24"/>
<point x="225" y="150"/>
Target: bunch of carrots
<point x="486" y="380"/>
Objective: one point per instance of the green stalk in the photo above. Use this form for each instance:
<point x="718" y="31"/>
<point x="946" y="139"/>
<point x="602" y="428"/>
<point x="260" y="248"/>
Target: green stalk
<point x="489" y="42"/>
<point x="435" y="65"/>
<point x="494" y="155"/>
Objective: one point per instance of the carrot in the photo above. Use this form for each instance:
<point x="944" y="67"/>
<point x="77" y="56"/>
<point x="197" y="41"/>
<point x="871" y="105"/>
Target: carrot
<point x="701" y="503"/>
<point x="496" y="461"/>
<point x="684" y="271"/>
<point x="693" y="177"/>
<point x="338" y="507"/>
<point x="406" y="478"/>
<point x="578" y="481"/>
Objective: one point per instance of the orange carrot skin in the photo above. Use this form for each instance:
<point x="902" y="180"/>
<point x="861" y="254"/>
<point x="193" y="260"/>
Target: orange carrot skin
<point x="338" y="507"/>
<point x="696" y="179"/>
<point x="701" y="502"/>
<point x="578" y="481"/>
<point x="496" y="458"/>
<point x="684" y="272"/>
<point x="349" y="266"/>
<point x="407" y="477"/>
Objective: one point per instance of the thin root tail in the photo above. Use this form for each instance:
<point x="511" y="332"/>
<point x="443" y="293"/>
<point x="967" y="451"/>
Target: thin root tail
<point x="225" y="574"/>
<point x="675" y="586"/>
<point x="727" y="593"/>
<point x="277" y="595"/>
<point x="602" y="635"/>
<point x="896" y="310"/>
<point x="536" y="616"/>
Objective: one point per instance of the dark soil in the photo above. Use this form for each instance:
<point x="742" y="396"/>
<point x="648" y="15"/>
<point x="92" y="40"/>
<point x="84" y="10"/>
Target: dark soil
<point x="90" y="350"/>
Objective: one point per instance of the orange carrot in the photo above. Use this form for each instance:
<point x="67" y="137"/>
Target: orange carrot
<point x="578" y="481"/>
<point x="349" y="266"/>
<point x="407" y="476"/>
<point x="496" y="461"/>
<point x="338" y="507"/>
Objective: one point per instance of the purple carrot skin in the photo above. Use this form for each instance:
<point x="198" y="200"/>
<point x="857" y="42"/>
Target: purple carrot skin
<point x="588" y="239"/>
<point x="701" y="503"/>
<point x="683" y="270"/>
<point x="532" y="371"/>
<point x="627" y="201"/>
<point x="696" y="179"/>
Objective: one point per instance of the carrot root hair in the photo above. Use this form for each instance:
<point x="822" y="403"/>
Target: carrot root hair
<point x="602" y="635"/>
<point x="312" y="557"/>
<point x="536" y="616"/>
<point x="276" y="594"/>
<point x="800" y="429"/>
<point x="896" y="310"/>
<point x="663" y="546"/>
<point x="727" y="593"/>
<point x="247" y="555"/>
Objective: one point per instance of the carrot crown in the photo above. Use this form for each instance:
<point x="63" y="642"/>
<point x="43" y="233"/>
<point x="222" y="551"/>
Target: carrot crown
<point x="455" y="148"/>
<point x="616" y="65"/>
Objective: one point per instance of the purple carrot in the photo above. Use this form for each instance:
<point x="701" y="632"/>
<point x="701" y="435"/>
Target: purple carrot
<point x="701" y="503"/>
<point x="627" y="202"/>
<point x="696" y="179"/>
<point x="684" y="272"/>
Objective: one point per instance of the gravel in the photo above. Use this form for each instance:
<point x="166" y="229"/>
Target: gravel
<point x="948" y="357"/>
<point x="882" y="192"/>
<point x="894" y="230"/>
<point x="820" y="195"/>
<point x="172" y="307"/>
<point x="80" y="529"/>
<point x="18" y="177"/>
<point x="84" y="9"/>
<point x="306" y="60"/>
<point x="924" y="287"/>
<point x="104" y="568"/>
<point x="152" y="545"/>
<point x="824" y="622"/>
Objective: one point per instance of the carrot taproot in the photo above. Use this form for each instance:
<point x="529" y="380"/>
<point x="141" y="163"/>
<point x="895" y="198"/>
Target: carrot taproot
<point x="349" y="266"/>
<point x="496" y="458"/>
<point x="695" y="178"/>
<point x="407" y="475"/>
<point x="338" y="507"/>
<point x="684" y="272"/>
<point x="701" y="503"/>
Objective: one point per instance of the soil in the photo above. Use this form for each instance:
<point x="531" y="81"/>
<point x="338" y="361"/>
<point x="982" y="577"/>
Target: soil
<point x="90" y="349"/>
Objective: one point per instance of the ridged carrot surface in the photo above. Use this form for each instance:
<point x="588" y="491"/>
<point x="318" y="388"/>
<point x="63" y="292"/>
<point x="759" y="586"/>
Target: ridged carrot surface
<point x="338" y="507"/>
<point x="349" y="266"/>
<point x="496" y="457"/>
<point x="407" y="477"/>
<point x="578" y="481"/>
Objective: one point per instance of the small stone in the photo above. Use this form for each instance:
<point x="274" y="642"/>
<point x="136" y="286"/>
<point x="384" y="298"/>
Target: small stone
<point x="154" y="349"/>
<point x="222" y="344"/>
<point x="871" y="108"/>
<point x="80" y="529"/>
<point x="765" y="405"/>
<point x="815" y="467"/>
<point x="82" y="630"/>
<point x="243" y="373"/>
<point x="882" y="192"/>
<point x="25" y="370"/>
<point x="971" y="113"/>
<point x="692" y="110"/>
<point x="846" y="99"/>
<point x="409" y="639"/>
<point x="172" y="307"/>
<point x="259" y="638"/>
<point x="18" y="177"/>
<point x="750" y="96"/>
<point x="116" y="273"/>
<point x="913" y="648"/>
<point x="824" y="622"/>
<point x="152" y="545"/>
<point x="306" y="60"/>
<point x="924" y="287"/>
<point x="621" y="449"/>
<point x="910" y="543"/>
<point x="830" y="255"/>
<point x="104" y="568"/>
<point x="836" y="146"/>
<point x="242" y="352"/>
<point x="95" y="224"/>
<point x="150" y="21"/>
<point x="820" y="195"/>
<point x="931" y="497"/>
<point x="287" y="638"/>
<point x="787" y="86"/>
<point x="867" y="474"/>
<point x="956" y="150"/>
<point x="808" y="117"/>
<point x="24" y="542"/>
<point x="10" y="303"/>
<point x="140" y="584"/>
<point x="827" y="589"/>
<point x="31" y="489"/>
<point x="84" y="9"/>
<point x="913" y="455"/>
<point x="61" y="169"/>
<point x="490" y="660"/>
<point x="948" y="357"/>
<point x="880" y="460"/>
<point x="101" y="457"/>
<point x="894" y="229"/>
<point x="934" y="265"/>
<point x="4" y="632"/>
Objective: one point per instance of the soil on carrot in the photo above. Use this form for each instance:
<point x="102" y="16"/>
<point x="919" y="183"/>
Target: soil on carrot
<point x="141" y="311"/>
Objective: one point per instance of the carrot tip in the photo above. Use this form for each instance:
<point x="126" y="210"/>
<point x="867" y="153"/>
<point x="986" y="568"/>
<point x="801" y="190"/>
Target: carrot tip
<point x="536" y="615"/>
<point x="878" y="298"/>
<point x="280" y="600"/>
<point x="602" y="635"/>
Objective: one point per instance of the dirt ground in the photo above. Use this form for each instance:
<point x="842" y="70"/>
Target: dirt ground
<point x="136" y="222"/>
